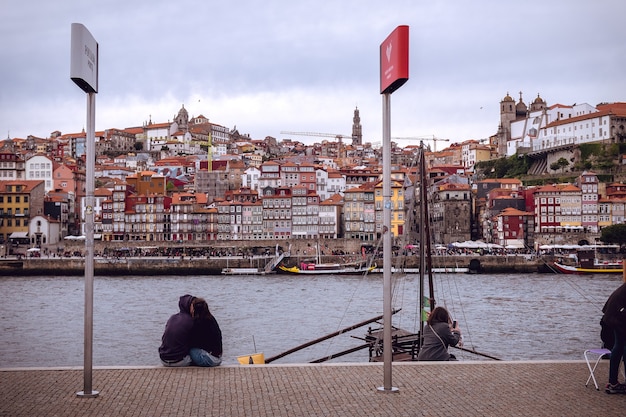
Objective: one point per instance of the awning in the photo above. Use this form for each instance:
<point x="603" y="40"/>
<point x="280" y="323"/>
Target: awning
<point x="19" y="235"/>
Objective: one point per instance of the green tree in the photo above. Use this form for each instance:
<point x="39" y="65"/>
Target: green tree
<point x="560" y="164"/>
<point x="615" y="234"/>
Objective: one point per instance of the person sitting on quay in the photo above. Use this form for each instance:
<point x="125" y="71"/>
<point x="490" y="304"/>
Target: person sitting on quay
<point x="614" y="318"/>
<point x="206" y="336"/>
<point x="176" y="340"/>
<point x="439" y="334"/>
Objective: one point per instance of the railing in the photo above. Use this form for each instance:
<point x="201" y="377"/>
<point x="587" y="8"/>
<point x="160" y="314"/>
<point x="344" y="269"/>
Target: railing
<point x="273" y="263"/>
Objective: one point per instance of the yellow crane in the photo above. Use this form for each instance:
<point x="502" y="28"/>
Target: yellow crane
<point x="209" y="144"/>
<point x="424" y="138"/>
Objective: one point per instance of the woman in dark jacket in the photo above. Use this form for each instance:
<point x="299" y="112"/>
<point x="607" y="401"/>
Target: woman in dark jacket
<point x="206" y="336"/>
<point x="438" y="335"/>
<point x="615" y="319"/>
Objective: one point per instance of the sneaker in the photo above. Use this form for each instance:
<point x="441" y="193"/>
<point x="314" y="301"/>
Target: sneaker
<point x="615" y="388"/>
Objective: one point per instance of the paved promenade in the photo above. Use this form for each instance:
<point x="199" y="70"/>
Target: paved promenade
<point x="478" y="388"/>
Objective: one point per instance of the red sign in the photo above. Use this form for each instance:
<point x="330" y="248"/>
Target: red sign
<point x="394" y="60"/>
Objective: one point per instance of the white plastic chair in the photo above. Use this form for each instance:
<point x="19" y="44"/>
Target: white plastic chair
<point x="599" y="353"/>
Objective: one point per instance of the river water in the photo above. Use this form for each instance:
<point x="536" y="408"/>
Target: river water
<point x="510" y="316"/>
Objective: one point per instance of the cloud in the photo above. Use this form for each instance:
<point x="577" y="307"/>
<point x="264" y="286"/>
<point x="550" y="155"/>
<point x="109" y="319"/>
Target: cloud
<point x="274" y="65"/>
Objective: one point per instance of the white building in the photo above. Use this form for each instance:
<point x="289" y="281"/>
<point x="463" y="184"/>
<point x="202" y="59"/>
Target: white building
<point x="40" y="167"/>
<point x="251" y="178"/>
<point x="561" y="125"/>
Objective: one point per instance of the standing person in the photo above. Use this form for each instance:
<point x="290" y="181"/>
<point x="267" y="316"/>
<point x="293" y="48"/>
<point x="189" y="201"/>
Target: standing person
<point x="615" y="318"/>
<point x="439" y="333"/>
<point x="206" y="337"/>
<point x="175" y="343"/>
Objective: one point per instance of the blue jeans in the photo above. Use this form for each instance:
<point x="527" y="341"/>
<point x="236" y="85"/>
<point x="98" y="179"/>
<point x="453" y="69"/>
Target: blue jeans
<point x="617" y="354"/>
<point x="201" y="357"/>
<point x="186" y="361"/>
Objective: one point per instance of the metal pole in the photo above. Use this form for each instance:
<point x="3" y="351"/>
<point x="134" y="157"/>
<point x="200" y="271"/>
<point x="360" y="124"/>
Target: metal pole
<point x="90" y="159"/>
<point x="387" y="347"/>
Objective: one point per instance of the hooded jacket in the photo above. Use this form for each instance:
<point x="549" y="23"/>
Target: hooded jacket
<point x="176" y="339"/>
<point x="615" y="310"/>
<point x="207" y="335"/>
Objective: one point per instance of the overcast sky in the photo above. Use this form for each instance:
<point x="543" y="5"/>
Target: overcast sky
<point x="277" y="65"/>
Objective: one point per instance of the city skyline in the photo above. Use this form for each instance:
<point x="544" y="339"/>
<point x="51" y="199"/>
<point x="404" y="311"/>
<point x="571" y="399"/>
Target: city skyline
<point x="278" y="66"/>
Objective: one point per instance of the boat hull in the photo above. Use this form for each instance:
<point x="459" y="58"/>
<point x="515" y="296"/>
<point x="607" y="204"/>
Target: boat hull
<point x="337" y="271"/>
<point x="568" y="269"/>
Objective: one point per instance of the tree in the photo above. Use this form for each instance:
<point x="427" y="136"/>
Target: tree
<point x="560" y="164"/>
<point x="615" y="234"/>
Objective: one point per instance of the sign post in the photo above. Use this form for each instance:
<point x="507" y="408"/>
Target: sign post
<point x="394" y="72"/>
<point x="84" y="72"/>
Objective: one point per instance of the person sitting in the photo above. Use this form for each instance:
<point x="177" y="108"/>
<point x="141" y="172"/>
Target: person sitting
<point x="439" y="333"/>
<point x="206" y="336"/>
<point x="614" y="318"/>
<point x="175" y="342"/>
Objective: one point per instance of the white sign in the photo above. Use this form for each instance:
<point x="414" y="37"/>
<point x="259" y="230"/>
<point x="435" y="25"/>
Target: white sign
<point x="84" y="59"/>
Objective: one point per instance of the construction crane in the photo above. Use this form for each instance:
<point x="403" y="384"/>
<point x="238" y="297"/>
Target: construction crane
<point x="337" y="136"/>
<point x="429" y="137"/>
<point x="209" y="144"/>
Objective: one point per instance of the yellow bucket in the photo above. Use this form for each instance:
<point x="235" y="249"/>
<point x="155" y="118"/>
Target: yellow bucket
<point x="253" y="359"/>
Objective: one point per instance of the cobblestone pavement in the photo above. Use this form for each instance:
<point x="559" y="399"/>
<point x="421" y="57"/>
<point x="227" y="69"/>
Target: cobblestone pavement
<point x="478" y="388"/>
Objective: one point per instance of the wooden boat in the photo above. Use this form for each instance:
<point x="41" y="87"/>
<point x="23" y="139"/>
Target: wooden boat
<point x="611" y="268"/>
<point x="405" y="344"/>
<point x="340" y="269"/>
<point x="589" y="264"/>
<point x="316" y="267"/>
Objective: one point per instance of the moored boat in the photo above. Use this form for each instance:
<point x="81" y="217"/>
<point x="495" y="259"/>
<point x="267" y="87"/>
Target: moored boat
<point x="609" y="268"/>
<point x="313" y="269"/>
<point x="589" y="264"/>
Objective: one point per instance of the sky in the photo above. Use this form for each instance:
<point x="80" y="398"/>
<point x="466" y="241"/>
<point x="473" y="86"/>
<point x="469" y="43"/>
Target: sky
<point x="303" y="66"/>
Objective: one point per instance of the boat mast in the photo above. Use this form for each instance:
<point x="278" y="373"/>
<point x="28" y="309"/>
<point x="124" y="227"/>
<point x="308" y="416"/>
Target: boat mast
<point x="426" y="223"/>
<point x="425" y="258"/>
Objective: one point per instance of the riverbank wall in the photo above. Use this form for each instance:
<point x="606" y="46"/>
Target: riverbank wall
<point x="186" y="265"/>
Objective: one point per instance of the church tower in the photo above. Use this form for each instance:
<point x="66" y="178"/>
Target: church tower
<point x="507" y="111"/>
<point x="182" y="119"/>
<point x="521" y="111"/>
<point x="357" y="133"/>
<point x="538" y="104"/>
<point x="507" y="115"/>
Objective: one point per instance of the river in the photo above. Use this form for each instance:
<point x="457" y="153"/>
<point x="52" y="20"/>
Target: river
<point x="510" y="316"/>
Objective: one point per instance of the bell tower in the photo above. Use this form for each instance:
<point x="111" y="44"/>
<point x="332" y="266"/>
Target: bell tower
<point x="182" y="119"/>
<point x="357" y="133"/>
<point x="507" y="115"/>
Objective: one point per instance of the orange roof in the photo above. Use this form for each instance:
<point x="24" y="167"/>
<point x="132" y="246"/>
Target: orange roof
<point x="570" y="187"/>
<point x="510" y="211"/>
<point x="605" y="109"/>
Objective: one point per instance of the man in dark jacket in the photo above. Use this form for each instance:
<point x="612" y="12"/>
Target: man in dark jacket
<point x="175" y="343"/>
<point x="615" y="318"/>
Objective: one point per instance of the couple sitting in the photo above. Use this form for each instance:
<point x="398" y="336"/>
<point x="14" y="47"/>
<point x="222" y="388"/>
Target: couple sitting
<point x="192" y="336"/>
